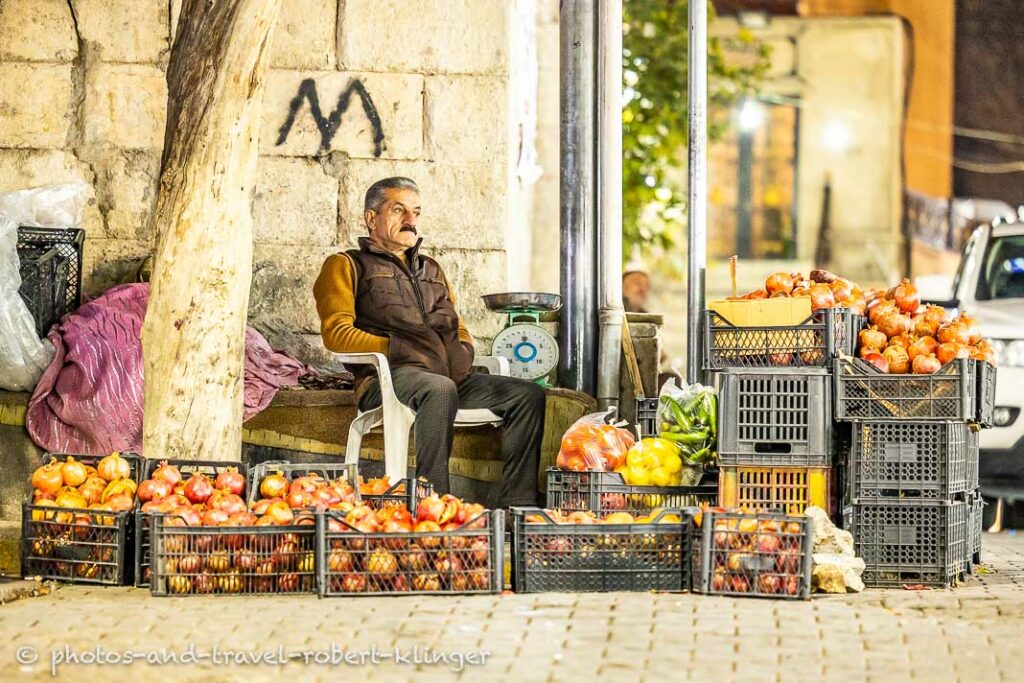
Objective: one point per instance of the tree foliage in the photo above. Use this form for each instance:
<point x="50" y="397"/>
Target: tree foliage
<point x="654" y="117"/>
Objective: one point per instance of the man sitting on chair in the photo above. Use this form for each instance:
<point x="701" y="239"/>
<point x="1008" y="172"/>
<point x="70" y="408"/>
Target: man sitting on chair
<point x="387" y="297"/>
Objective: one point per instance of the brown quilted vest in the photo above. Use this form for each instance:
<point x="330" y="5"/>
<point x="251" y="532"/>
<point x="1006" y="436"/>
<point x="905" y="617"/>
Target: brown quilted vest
<point x="411" y="306"/>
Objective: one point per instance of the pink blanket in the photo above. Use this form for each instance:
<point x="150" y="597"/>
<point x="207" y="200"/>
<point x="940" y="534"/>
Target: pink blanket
<point x="89" y="400"/>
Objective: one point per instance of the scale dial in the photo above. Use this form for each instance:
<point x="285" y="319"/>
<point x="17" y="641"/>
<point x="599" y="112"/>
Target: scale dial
<point x="531" y="351"/>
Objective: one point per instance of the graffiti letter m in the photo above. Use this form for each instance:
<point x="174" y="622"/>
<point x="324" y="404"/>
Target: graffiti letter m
<point x="329" y="126"/>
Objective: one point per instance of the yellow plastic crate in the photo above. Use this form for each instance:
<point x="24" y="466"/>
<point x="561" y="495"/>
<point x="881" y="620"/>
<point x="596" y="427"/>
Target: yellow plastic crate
<point x="787" y="488"/>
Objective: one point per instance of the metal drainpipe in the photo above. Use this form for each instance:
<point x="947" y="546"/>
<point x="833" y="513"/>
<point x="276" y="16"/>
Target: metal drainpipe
<point x="577" y="343"/>
<point x="697" y="224"/>
<point x="609" y="187"/>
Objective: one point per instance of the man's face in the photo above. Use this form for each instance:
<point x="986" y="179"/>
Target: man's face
<point x="394" y="225"/>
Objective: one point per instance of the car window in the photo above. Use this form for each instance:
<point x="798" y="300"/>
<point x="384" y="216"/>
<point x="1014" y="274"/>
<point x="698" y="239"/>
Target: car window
<point x="1002" y="272"/>
<point x="968" y="255"/>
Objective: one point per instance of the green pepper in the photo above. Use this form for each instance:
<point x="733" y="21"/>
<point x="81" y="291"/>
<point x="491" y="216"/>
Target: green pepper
<point x="690" y="438"/>
<point x="700" y="456"/>
<point x="691" y="406"/>
<point x="681" y="419"/>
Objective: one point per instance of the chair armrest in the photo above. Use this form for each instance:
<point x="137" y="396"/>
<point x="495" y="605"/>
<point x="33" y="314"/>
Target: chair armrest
<point x="495" y="365"/>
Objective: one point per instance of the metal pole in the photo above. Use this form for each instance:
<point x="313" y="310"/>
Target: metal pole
<point x="609" y="192"/>
<point x="577" y="342"/>
<point x="697" y="224"/>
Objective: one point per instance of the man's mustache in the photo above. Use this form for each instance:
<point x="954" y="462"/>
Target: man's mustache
<point x="408" y="228"/>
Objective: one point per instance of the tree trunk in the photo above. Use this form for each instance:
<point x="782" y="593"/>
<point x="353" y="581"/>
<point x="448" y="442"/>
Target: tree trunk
<point x="193" y="337"/>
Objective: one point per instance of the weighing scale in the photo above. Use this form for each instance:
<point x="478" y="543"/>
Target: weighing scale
<point x="532" y="351"/>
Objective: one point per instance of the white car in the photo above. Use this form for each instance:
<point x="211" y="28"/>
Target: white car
<point x="989" y="285"/>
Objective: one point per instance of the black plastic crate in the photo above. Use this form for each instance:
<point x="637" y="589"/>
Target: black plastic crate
<point x="906" y="541"/>
<point x="986" y="393"/>
<point x="78" y="545"/>
<point x="252" y="560"/>
<point x="600" y="557"/>
<point x="405" y="493"/>
<point x="647" y="416"/>
<point x="291" y="471"/>
<point x="909" y="459"/>
<point x="466" y="560"/>
<point x="143" y="520"/>
<point x="606" y="492"/>
<point x="775" y="417"/>
<point x="864" y="393"/>
<point x="760" y="554"/>
<point x="63" y="269"/>
<point x="812" y="343"/>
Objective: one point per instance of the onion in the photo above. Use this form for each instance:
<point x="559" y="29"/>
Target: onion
<point x="873" y="338"/>
<point x="952" y="350"/>
<point x="48" y="478"/>
<point x="168" y="473"/>
<point x="822" y="297"/>
<point x="70" y="498"/>
<point x="198" y="488"/>
<point x="899" y="360"/>
<point x="954" y="331"/>
<point x="926" y="365"/>
<point x="906" y="296"/>
<point x="925" y="345"/>
<point x="779" y="283"/>
<point x="274" y="486"/>
<point x="73" y="472"/>
<point x="114" y="467"/>
<point x="878" y="360"/>
<point x="893" y="324"/>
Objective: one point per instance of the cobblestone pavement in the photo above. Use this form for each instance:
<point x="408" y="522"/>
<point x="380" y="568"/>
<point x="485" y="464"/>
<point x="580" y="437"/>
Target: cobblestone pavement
<point x="973" y="633"/>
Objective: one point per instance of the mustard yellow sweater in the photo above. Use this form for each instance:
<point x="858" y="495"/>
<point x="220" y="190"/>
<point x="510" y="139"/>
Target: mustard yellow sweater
<point x="334" y="291"/>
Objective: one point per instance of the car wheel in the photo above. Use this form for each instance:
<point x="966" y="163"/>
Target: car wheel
<point x="991" y="514"/>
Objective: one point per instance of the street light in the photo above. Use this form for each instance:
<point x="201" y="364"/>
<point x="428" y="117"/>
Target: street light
<point x="751" y="116"/>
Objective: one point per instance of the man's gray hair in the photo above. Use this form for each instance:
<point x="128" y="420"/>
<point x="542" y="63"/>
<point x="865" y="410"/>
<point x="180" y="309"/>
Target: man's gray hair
<point x="376" y="195"/>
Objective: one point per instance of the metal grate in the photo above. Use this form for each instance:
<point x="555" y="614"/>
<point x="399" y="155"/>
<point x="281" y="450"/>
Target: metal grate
<point x="911" y="542"/>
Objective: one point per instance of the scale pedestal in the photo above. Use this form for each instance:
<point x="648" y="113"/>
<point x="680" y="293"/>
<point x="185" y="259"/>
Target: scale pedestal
<point x="532" y="351"/>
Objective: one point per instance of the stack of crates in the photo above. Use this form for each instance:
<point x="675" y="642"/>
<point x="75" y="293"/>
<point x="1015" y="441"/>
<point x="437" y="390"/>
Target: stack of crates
<point x="776" y="436"/>
<point x="913" y="470"/>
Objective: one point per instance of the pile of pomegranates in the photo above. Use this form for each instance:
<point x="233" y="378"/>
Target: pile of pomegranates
<point x="824" y="289"/>
<point x="905" y="338"/>
<point x="309" y="491"/>
<point x="446" y="545"/>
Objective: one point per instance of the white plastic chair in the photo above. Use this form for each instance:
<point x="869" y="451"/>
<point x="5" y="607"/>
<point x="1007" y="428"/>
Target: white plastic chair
<point x="397" y="418"/>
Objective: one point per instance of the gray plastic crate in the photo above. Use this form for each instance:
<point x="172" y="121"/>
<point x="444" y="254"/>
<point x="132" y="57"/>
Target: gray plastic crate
<point x="986" y="393"/>
<point x="775" y="417"/>
<point x="865" y="393"/>
<point x="977" y="527"/>
<point x="930" y="460"/>
<point x="911" y="542"/>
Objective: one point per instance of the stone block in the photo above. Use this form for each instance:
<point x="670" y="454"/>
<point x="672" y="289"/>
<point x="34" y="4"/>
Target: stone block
<point x="304" y="36"/>
<point x="126" y="106"/>
<point x="281" y="299"/>
<point x="35" y="105"/>
<point x="464" y="205"/>
<point x="432" y="36"/>
<point x="473" y="274"/>
<point x="382" y="118"/>
<point x="295" y="202"/>
<point x="37" y="30"/>
<point x="110" y="262"/>
<point x="126" y="185"/>
<point x="22" y="168"/>
<point x="466" y="119"/>
<point x="133" y="31"/>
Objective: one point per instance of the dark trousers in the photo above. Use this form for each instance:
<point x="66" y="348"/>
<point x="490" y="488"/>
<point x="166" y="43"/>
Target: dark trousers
<point x="436" y="398"/>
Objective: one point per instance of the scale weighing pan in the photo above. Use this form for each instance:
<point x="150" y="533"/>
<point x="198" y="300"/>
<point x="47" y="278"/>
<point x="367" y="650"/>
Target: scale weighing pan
<point x="510" y="302"/>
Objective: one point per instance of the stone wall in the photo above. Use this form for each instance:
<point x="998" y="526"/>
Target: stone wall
<point x="359" y="89"/>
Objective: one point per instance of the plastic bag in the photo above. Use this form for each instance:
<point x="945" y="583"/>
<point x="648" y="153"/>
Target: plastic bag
<point x="23" y="356"/>
<point x="592" y="444"/>
<point x="688" y="417"/>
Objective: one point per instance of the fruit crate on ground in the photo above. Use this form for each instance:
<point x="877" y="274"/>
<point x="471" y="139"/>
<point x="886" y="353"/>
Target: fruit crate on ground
<point x="862" y="392"/>
<point x="976" y="527"/>
<point x="466" y="560"/>
<point x="607" y="492"/>
<point x="754" y="554"/>
<point x="143" y="520"/>
<point x="291" y="471"/>
<point x="78" y="545"/>
<point x="407" y="492"/>
<point x="773" y="416"/>
<point x="908" y="459"/>
<point x="788" y="489"/>
<point x="547" y="556"/>
<point x="51" y="271"/>
<point x="911" y="542"/>
<point x="812" y="343"/>
<point x="218" y="560"/>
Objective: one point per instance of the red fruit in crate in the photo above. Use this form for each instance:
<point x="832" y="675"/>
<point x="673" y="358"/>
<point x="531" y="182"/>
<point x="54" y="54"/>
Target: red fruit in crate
<point x="792" y="585"/>
<point x="739" y="583"/>
<point x="768" y="544"/>
<point x="230" y="480"/>
<point x="718" y="580"/>
<point x="613" y="501"/>
<point x="768" y="584"/>
<point x="198" y="488"/>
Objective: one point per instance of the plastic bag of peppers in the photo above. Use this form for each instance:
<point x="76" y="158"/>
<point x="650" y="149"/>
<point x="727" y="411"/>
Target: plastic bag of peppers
<point x="688" y="417"/>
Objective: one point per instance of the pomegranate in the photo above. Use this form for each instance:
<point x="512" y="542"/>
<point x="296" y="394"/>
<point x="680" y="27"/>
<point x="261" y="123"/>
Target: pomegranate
<point x="153" y="489"/>
<point x="924" y="345"/>
<point x="906" y="296"/>
<point x="779" y="283"/>
<point x="198" y="488"/>
<point x="926" y="364"/>
<point x="899" y="360"/>
<point x="114" y="467"/>
<point x="274" y="486"/>
<point x="971" y="324"/>
<point x="954" y="331"/>
<point x="822" y="297"/>
<point x="873" y="338"/>
<point x="893" y="324"/>
<point x="169" y="473"/>
<point x="951" y="350"/>
<point x="230" y="480"/>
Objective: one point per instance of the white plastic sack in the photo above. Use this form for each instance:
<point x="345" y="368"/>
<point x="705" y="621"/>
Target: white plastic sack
<point x="23" y="356"/>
